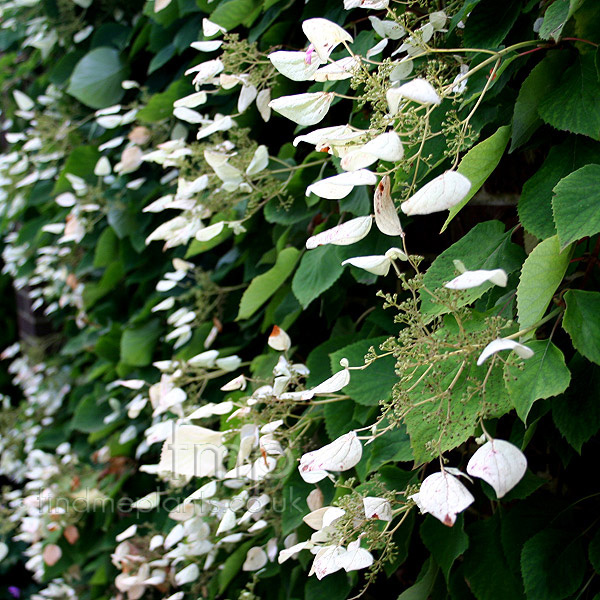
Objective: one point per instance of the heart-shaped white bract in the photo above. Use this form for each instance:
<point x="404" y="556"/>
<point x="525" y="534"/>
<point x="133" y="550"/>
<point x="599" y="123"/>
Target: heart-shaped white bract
<point x="504" y="344"/>
<point x="355" y="557"/>
<point x="324" y="35"/>
<point x="305" y="109"/>
<point x="370" y="4"/>
<point x="499" y="463"/>
<point x="471" y="279"/>
<point x="417" y="90"/>
<point x="377" y="264"/>
<point x="377" y="508"/>
<point x="339" y="186"/>
<point x="255" y="559"/>
<point x="279" y="339"/>
<point x="386" y="146"/>
<point x="294" y="65"/>
<point x="386" y="215"/>
<point x="342" y="235"/>
<point x="443" y="496"/>
<point x="441" y="193"/>
<point x="338" y="70"/>
<point x="340" y="455"/>
<point x="326" y="561"/>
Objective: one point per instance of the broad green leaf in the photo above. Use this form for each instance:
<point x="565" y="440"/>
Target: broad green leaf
<point x="582" y="324"/>
<point x="81" y="162"/>
<point x="333" y="587"/>
<point x="319" y="269"/>
<point x="576" y="203"/>
<point x="486" y="246"/>
<point x="160" y="106"/>
<point x="392" y="447"/>
<point x="489" y="23"/>
<point x="233" y="564"/>
<point x="477" y="165"/>
<point x="231" y="13"/>
<point x="96" y="79"/>
<point x="573" y="104"/>
<point x="421" y="590"/>
<point x="535" y="203"/>
<point x="337" y="421"/>
<point x="89" y="414"/>
<point x="446" y="544"/>
<point x="486" y="566"/>
<point x="107" y="248"/>
<point x="542" y="273"/>
<point x="93" y="291"/>
<point x="137" y="343"/>
<point x="293" y="502"/>
<point x="543" y="375"/>
<point x="361" y="388"/>
<point x="538" y="84"/>
<point x="556" y="16"/>
<point x="576" y="413"/>
<point x="553" y="564"/>
<point x="263" y="286"/>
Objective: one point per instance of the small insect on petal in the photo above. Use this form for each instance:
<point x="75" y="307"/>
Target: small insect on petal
<point x="441" y="193"/>
<point x="471" y="279"/>
<point x="504" y="344"/>
<point x="279" y="339"/>
<point x="342" y="235"/>
<point x="386" y="216"/>
<point x="499" y="463"/>
<point x="443" y="496"/>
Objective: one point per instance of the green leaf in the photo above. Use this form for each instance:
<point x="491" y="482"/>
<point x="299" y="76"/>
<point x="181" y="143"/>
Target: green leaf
<point x="337" y="421"/>
<point x="538" y="84"/>
<point x="107" y="248"/>
<point x="96" y="79"/>
<point x="581" y="322"/>
<point x="232" y="13"/>
<point x="233" y="564"/>
<point x="542" y="273"/>
<point x="535" y="203"/>
<point x="160" y="106"/>
<point x="485" y="564"/>
<point x="486" y="246"/>
<point x="573" y="104"/>
<point x="478" y="164"/>
<point x="93" y="291"/>
<point x="553" y="564"/>
<point x="543" y="375"/>
<point x="361" y="388"/>
<point x="421" y="590"/>
<point x="489" y="23"/>
<point x="293" y="501"/>
<point x="332" y="587"/>
<point x="556" y="17"/>
<point x="446" y="544"/>
<point x="89" y="415"/>
<point x="81" y="162"/>
<point x="263" y="286"/>
<point x="162" y="57"/>
<point x="576" y="413"/>
<point x="575" y="205"/>
<point x="137" y="344"/>
<point x="319" y="269"/>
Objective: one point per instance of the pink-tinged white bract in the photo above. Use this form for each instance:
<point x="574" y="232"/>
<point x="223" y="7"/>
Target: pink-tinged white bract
<point x="340" y="455"/>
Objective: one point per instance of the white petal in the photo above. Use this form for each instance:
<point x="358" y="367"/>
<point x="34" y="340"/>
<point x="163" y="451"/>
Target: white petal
<point x="355" y="558"/>
<point x="324" y="35"/>
<point x="503" y="344"/>
<point x="304" y="109"/>
<point x="334" y="384"/>
<point x="386" y="215"/>
<point x="212" y="231"/>
<point x="314" y="519"/>
<point x="209" y="46"/>
<point x="332" y="514"/>
<point x="378" y="264"/>
<point x="471" y="279"/>
<point x="247" y="95"/>
<point x="209" y="28"/>
<point x="339" y="186"/>
<point x="289" y="552"/>
<point x="342" y="235"/>
<point x="387" y="29"/>
<point x="187" y="575"/>
<point x="443" y="496"/>
<point x="293" y="65"/>
<point x="255" y="559"/>
<point x="402" y="71"/>
<point x="417" y="90"/>
<point x="378" y="48"/>
<point x="442" y="193"/>
<point x="127" y="533"/>
<point x="325" y="561"/>
<point x="24" y="102"/>
<point x="259" y="161"/>
<point x="239" y="383"/>
<point x="377" y="508"/>
<point x="279" y="339"/>
<point x="340" y="455"/>
<point x="102" y="167"/>
<point x="499" y="463"/>
<point x="262" y="104"/>
<point x="338" y="70"/>
<point x="191" y="101"/>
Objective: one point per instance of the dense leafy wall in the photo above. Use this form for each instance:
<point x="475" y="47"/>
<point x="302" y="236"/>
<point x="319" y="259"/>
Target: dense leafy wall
<point x="322" y="287"/>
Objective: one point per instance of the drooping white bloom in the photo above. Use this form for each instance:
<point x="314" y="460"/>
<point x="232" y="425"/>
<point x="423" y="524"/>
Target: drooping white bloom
<point x="377" y="508"/>
<point x="499" y="463"/>
<point x="259" y="162"/>
<point x="340" y="455"/>
<point x="504" y="344"/>
<point x="326" y="561"/>
<point x="210" y="409"/>
<point x="387" y="29"/>
<point x="386" y="215"/>
<point x="339" y="186"/>
<point x="324" y="35"/>
<point x="24" y="102"/>
<point x="102" y="167"/>
<point x="438" y="20"/>
<point x="294" y="549"/>
<point x="355" y="557"/>
<point x="279" y="339"/>
<point x="376" y="264"/>
<point x="255" y="559"/>
<point x="305" y="109"/>
<point x="417" y="90"/>
<point x="193" y="451"/>
<point x="293" y="65"/>
<point x="188" y="574"/>
<point x="442" y="193"/>
<point x="228" y="174"/>
<point x="471" y="279"/>
<point x="386" y="146"/>
<point x="401" y="71"/>
<point x="342" y="235"/>
<point x="370" y="4"/>
<point x="263" y="100"/>
<point x="209" y="28"/>
<point x="338" y="70"/>
<point x="247" y="95"/>
<point x="207" y="46"/>
<point x="239" y="383"/>
<point x="212" y="231"/>
<point x="127" y="533"/>
<point x="443" y="496"/>
<point x="331" y="139"/>
<point x="378" y="48"/>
